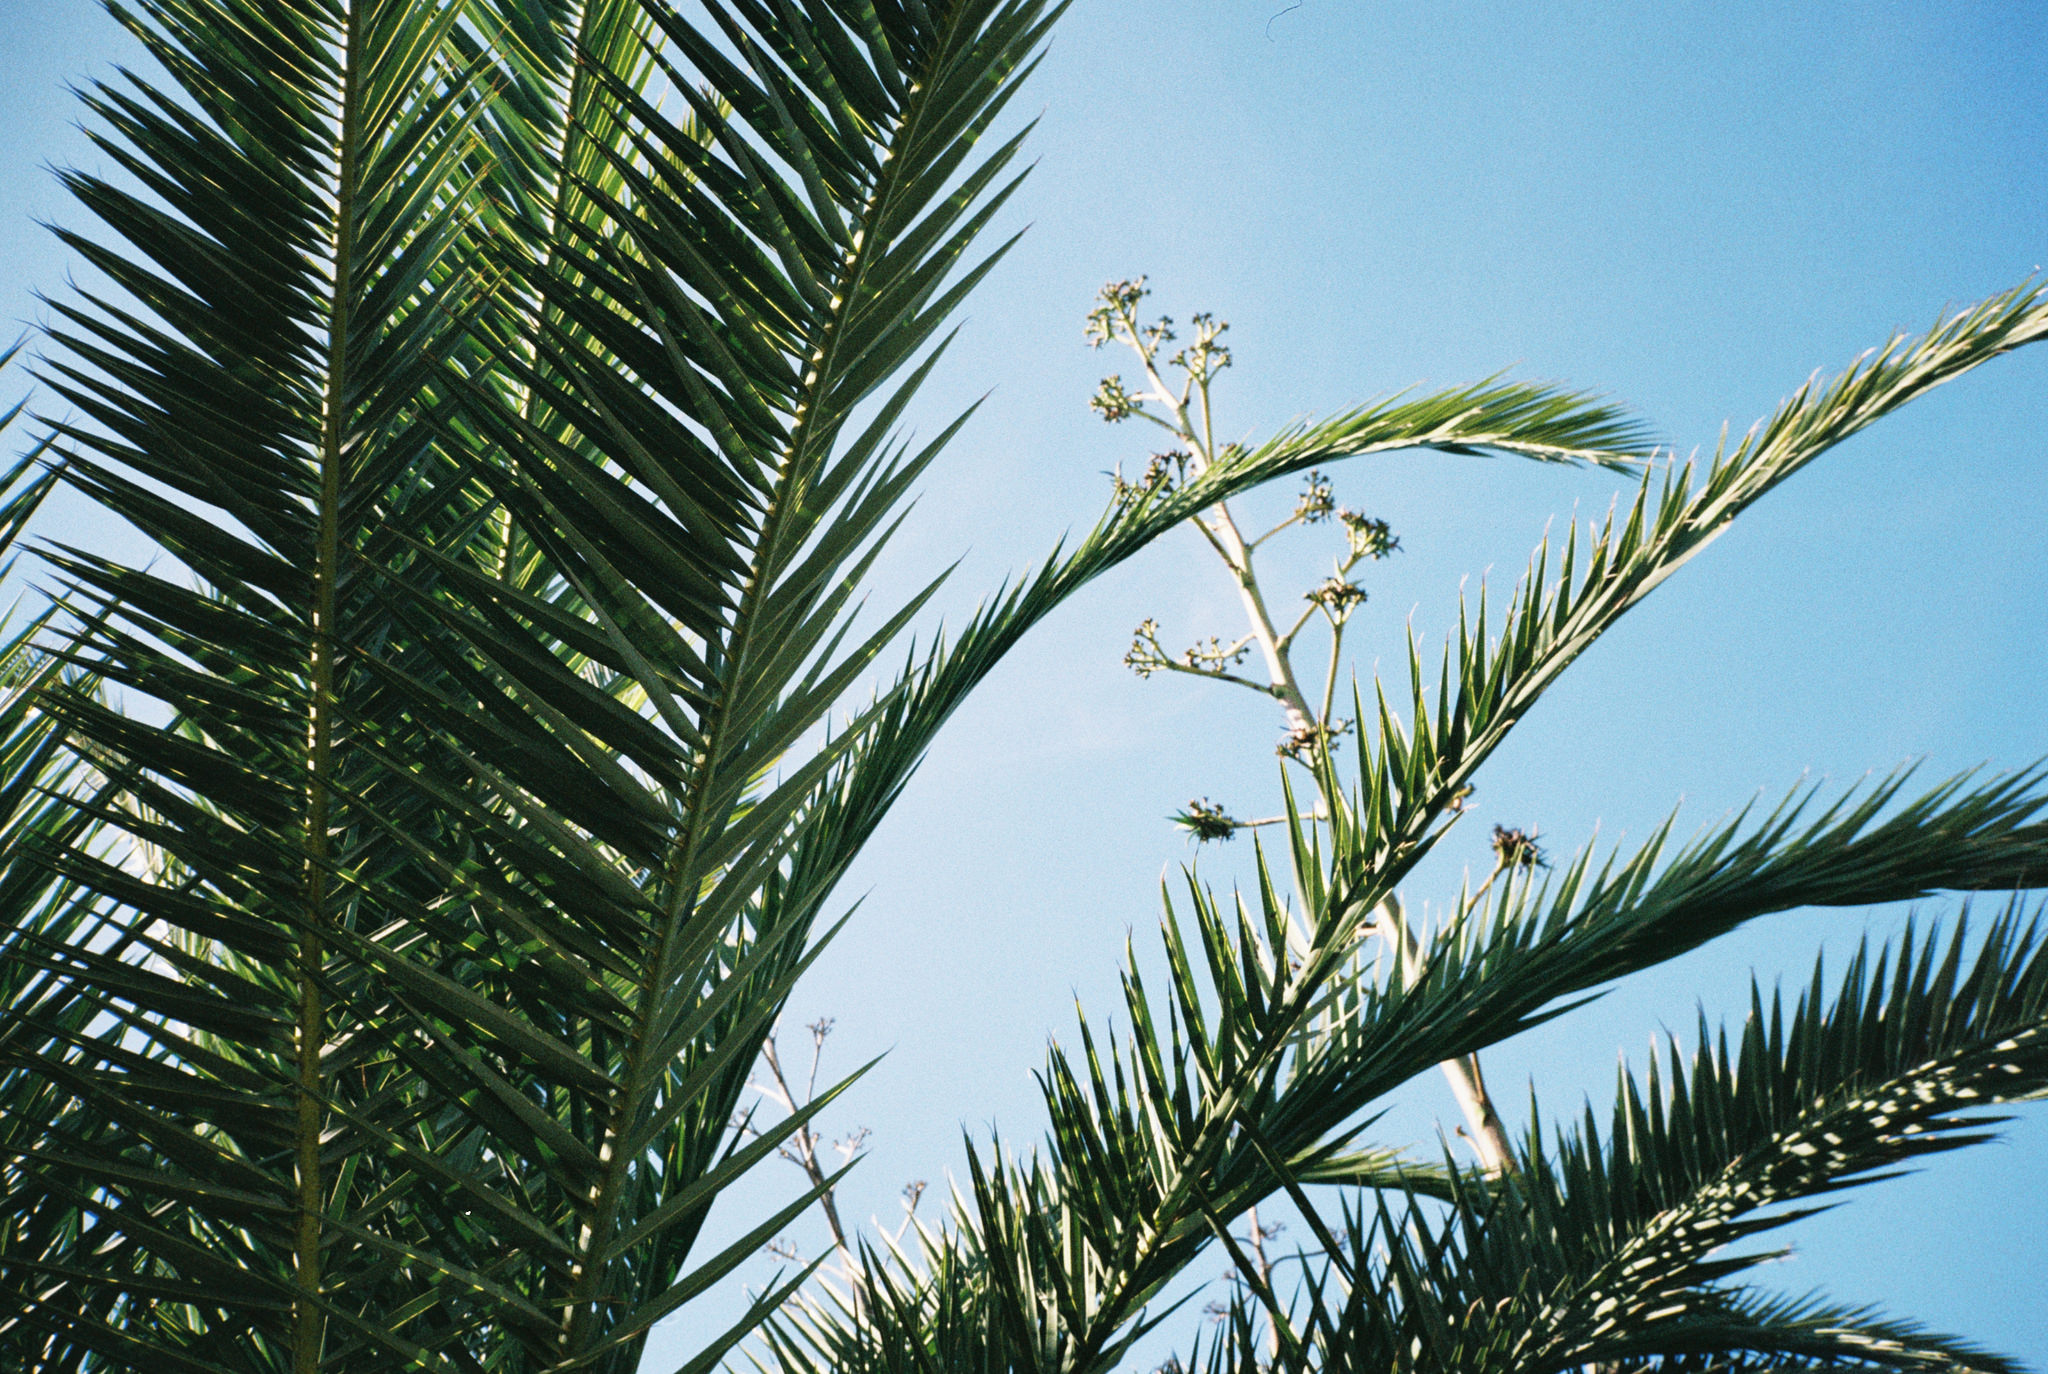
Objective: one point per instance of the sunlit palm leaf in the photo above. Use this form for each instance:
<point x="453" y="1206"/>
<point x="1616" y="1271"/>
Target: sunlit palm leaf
<point x="1618" y="1252"/>
<point x="1254" y="1074"/>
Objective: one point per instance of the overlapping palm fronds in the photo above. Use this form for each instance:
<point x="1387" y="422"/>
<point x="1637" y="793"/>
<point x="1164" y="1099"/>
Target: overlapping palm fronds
<point x="1247" y="1083"/>
<point x="496" y="414"/>
<point x="518" y="406"/>
<point x="1255" y="1076"/>
<point x="249" y="392"/>
<point x="41" y="912"/>
<point x="402" y="870"/>
<point x="1618" y="1250"/>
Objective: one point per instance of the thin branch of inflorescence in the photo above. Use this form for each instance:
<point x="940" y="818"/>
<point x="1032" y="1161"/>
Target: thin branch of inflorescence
<point x="802" y="1149"/>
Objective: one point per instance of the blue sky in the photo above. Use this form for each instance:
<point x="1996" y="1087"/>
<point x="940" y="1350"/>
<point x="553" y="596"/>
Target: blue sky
<point x="1688" y="208"/>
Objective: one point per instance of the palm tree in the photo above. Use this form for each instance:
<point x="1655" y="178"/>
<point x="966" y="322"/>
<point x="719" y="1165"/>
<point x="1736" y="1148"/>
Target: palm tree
<point x="430" y="835"/>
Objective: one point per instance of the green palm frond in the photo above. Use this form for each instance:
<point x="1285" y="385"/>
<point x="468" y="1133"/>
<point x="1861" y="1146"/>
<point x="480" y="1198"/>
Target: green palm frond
<point x="1511" y="418"/>
<point x="1412" y="770"/>
<point x="1708" y="1154"/>
<point x="1485" y="686"/>
<point x="1408" y="1312"/>
<point x="1619" y="1251"/>
<point x="516" y="411"/>
<point x="1516" y="963"/>
<point x="284" y="276"/>
<point x="41" y="791"/>
<point x="1252" y="1077"/>
<point x="575" y="591"/>
<point x="679" y="456"/>
<point x="400" y="872"/>
<point x="918" y="1308"/>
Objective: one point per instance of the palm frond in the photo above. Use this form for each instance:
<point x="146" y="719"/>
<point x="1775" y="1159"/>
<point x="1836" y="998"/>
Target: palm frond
<point x="1618" y="1251"/>
<point x="1252" y="1076"/>
<point x="1402" y="1314"/>
<point x="1541" y="943"/>
<point x="250" y="394"/>
<point x="382" y="991"/>
<point x="41" y="787"/>
<point x="1411" y="770"/>
<point x="1838" y="1091"/>
<point x="665" y="431"/>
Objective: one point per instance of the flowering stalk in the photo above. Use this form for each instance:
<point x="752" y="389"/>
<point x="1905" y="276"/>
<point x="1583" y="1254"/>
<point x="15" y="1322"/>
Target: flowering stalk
<point x="1187" y="414"/>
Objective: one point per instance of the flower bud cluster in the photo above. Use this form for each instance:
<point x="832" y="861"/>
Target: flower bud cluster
<point x="1336" y="596"/>
<point x="1315" y="503"/>
<point x="1164" y="473"/>
<point x="1206" y="821"/>
<point x="1145" y="656"/>
<point x="1116" y="301"/>
<point x="1369" y="538"/>
<point x="1307" y="739"/>
<point x="1206" y="356"/>
<point x="1112" y="402"/>
<point x="1517" y="849"/>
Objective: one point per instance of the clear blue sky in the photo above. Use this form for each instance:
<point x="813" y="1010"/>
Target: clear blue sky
<point x="1686" y="206"/>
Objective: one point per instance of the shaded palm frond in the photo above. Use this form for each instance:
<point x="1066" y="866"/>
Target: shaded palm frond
<point x="1394" y="1320"/>
<point x="678" y="508"/>
<point x="1837" y="1091"/>
<point x="40" y="788"/>
<point x="250" y="391"/>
